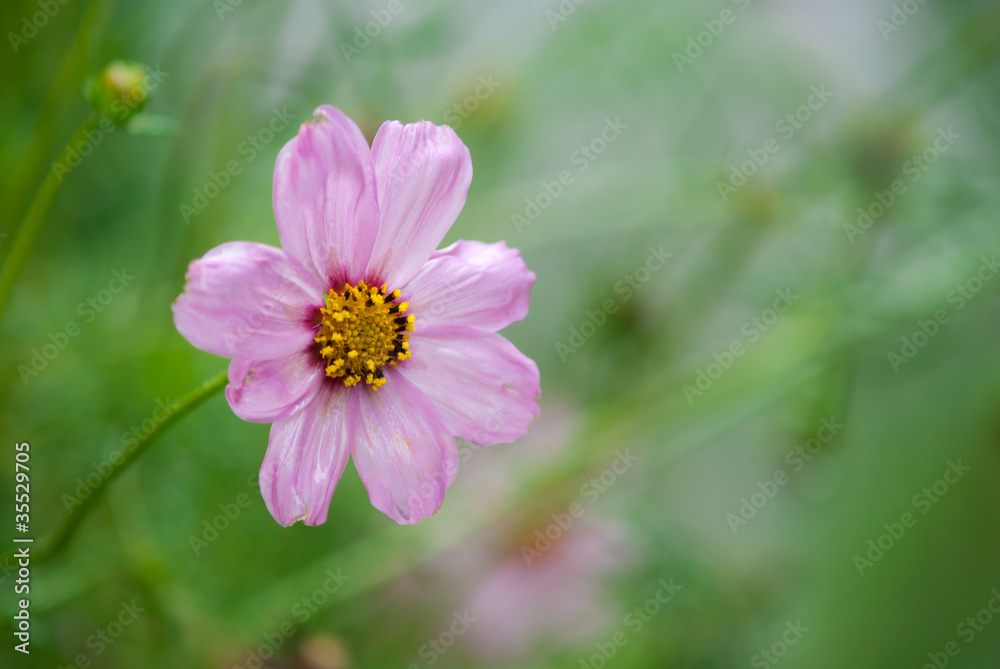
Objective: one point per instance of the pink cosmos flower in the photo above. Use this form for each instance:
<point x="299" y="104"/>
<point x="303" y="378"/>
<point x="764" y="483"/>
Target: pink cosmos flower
<point x="357" y="338"/>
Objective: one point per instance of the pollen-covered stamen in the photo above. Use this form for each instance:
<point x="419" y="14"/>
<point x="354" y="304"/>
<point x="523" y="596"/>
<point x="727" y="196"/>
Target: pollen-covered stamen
<point x="361" y="330"/>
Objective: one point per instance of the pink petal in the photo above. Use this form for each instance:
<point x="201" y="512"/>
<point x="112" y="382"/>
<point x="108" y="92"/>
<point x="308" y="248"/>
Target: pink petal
<point x="402" y="450"/>
<point x="324" y="198"/>
<point x="423" y="173"/>
<point x="306" y="456"/>
<point x="471" y="283"/>
<point x="484" y="388"/>
<point x="246" y="300"/>
<point x="268" y="391"/>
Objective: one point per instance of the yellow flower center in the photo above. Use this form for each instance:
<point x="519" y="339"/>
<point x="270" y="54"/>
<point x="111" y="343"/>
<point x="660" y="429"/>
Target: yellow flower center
<point x="361" y="330"/>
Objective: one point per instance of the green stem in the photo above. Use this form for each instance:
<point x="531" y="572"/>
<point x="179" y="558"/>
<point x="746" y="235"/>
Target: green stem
<point x="175" y="412"/>
<point x="36" y="214"/>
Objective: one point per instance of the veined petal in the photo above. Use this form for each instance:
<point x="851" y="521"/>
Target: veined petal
<point x="246" y="300"/>
<point x="402" y="450"/>
<point x="306" y="455"/>
<point x="423" y="173"/>
<point x="472" y="283"/>
<point x="484" y="388"/>
<point x="324" y="198"/>
<point x="272" y="390"/>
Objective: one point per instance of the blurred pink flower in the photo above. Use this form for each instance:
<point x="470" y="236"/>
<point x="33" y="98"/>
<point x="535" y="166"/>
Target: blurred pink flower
<point x="357" y="337"/>
<point x="533" y="587"/>
<point x="557" y="601"/>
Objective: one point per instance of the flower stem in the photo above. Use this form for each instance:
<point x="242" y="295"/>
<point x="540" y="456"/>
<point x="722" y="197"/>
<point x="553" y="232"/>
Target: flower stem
<point x="174" y="413"/>
<point x="40" y="205"/>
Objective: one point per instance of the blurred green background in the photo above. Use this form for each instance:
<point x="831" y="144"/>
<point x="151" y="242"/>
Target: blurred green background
<point x="765" y="319"/>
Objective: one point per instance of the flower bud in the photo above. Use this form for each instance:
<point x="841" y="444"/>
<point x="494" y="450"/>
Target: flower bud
<point x="120" y="91"/>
